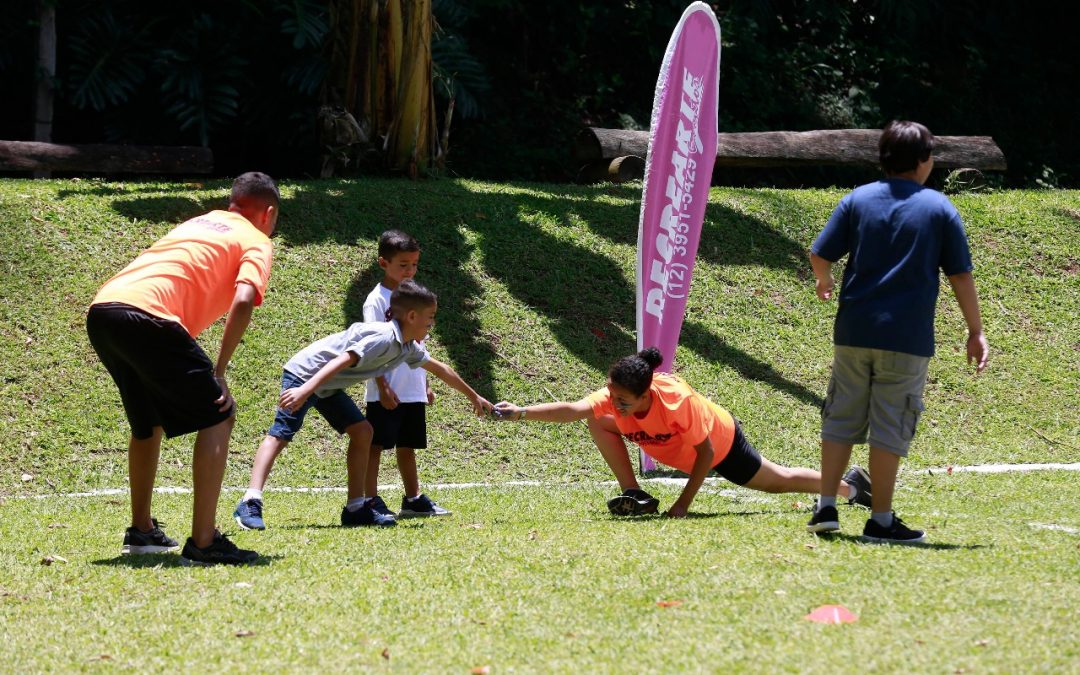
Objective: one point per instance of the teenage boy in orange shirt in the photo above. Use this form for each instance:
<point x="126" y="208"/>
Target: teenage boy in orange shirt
<point x="143" y="324"/>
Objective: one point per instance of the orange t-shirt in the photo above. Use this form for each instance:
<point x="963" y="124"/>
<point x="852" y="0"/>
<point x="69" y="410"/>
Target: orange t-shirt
<point x="189" y="276"/>
<point x="678" y="419"/>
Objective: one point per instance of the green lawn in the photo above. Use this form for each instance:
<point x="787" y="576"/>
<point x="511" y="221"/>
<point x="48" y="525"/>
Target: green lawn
<point x="542" y="579"/>
<point x="536" y="300"/>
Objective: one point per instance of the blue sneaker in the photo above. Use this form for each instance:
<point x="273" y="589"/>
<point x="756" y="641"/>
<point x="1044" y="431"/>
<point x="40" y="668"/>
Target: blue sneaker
<point x="248" y="515"/>
<point x="367" y="515"/>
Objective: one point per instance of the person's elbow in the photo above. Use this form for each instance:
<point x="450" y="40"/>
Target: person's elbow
<point x="245" y="296"/>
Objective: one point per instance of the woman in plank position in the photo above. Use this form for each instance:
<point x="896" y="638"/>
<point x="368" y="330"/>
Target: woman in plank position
<point x="679" y="427"/>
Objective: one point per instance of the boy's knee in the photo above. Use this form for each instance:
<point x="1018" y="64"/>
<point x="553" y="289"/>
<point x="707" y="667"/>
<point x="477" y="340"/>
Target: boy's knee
<point x="361" y="431"/>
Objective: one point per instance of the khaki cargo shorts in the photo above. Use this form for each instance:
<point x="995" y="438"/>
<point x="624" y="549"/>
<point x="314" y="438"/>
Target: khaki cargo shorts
<point x="874" y="394"/>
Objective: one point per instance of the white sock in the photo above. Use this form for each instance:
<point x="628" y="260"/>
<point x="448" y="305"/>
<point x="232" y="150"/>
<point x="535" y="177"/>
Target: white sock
<point x="824" y="501"/>
<point x="412" y="499"/>
<point x="882" y="519"/>
<point x="356" y="504"/>
<point x="252" y="493"/>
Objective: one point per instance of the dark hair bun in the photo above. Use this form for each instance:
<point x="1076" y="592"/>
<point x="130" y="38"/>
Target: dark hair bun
<point x="651" y="356"/>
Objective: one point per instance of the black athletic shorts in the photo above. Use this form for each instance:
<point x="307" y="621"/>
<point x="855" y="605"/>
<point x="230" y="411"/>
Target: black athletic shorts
<point x="741" y="462"/>
<point x="403" y="427"/>
<point x="164" y="377"/>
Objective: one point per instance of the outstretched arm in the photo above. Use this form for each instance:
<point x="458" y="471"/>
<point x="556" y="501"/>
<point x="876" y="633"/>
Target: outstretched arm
<point x="236" y="323"/>
<point x="449" y="376"/>
<point x="560" y="411"/>
<point x="702" y="465"/>
<point x="978" y="350"/>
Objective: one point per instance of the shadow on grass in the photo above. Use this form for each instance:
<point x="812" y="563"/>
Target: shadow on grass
<point x="930" y="545"/>
<point x="169" y="561"/>
<point x="586" y="298"/>
<point x="692" y="515"/>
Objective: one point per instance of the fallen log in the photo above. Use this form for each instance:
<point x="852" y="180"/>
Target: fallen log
<point x="845" y="147"/>
<point x="31" y="156"/>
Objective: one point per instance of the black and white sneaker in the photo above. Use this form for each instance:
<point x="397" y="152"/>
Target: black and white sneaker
<point x="824" y="520"/>
<point x="137" y="542"/>
<point x="366" y="515"/>
<point x="633" y="502"/>
<point x="420" y="507"/>
<point x="861" y="480"/>
<point x="897" y="533"/>
<point x="221" y="551"/>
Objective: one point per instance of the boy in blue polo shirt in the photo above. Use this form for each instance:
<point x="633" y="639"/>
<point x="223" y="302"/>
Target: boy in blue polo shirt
<point x="897" y="235"/>
<point x="317" y="378"/>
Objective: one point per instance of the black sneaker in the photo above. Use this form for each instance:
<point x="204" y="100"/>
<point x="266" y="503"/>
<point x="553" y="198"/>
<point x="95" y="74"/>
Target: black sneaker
<point x="633" y="502"/>
<point x="824" y="520"/>
<point x="137" y="542"/>
<point x="897" y="533"/>
<point x="420" y="507"/>
<point x="861" y="480"/>
<point x="221" y="551"/>
<point x="366" y="515"/>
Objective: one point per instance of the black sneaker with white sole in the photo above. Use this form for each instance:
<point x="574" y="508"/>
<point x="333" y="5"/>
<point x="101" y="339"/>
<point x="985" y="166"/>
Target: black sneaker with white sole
<point x="421" y="507"/>
<point x="633" y="502"/>
<point x="897" y="533"/>
<point x="137" y="542"/>
<point x="824" y="520"/>
<point x="220" y="551"/>
<point x="861" y="480"/>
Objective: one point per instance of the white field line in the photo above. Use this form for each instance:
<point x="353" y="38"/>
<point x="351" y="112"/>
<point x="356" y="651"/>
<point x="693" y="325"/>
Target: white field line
<point x="1058" y="528"/>
<point x="739" y="493"/>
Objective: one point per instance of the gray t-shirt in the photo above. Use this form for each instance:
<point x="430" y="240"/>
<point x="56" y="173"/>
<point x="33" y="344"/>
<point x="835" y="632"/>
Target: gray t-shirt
<point x="378" y="347"/>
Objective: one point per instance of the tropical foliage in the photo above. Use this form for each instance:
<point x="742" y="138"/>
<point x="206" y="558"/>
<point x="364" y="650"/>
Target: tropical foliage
<point x="518" y="79"/>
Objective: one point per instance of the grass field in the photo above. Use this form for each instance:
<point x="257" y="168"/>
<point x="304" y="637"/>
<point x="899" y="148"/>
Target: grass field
<point x="536" y="300"/>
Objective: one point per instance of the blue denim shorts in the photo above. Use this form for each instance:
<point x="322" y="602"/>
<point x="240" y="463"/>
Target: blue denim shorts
<point x="338" y="409"/>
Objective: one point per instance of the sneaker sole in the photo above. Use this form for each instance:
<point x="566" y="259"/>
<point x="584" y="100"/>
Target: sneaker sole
<point x="422" y="514"/>
<point x="392" y="523"/>
<point x="824" y="527"/>
<point x="245" y="527"/>
<point x="188" y="562"/>
<point x="628" y="506"/>
<point x="146" y="550"/>
<point x="900" y="542"/>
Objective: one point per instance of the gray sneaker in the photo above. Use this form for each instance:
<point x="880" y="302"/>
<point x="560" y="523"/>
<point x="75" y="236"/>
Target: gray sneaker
<point x="861" y="480"/>
<point x="137" y="542"/>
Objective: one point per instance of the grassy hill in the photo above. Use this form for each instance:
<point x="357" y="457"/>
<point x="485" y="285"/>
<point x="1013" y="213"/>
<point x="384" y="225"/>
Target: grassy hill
<point x="536" y="300"/>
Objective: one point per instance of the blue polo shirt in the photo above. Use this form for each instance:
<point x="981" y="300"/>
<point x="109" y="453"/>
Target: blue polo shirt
<point x="897" y="235"/>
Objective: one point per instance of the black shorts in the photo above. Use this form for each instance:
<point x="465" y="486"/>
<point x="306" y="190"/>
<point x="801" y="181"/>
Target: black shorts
<point x="403" y="427"/>
<point x="741" y="462"/>
<point x="164" y="377"/>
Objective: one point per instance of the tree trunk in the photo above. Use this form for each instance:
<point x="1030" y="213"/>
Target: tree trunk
<point x="46" y="73"/>
<point x="380" y="77"/>
<point x="181" y="160"/>
<point x="796" y="148"/>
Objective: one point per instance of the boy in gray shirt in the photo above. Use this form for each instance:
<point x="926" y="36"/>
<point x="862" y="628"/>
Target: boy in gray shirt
<point x="317" y="378"/>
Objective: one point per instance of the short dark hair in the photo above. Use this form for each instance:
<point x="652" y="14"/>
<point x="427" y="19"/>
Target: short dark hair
<point x="411" y="296"/>
<point x="634" y="373"/>
<point x="254" y="188"/>
<point x="903" y="145"/>
<point x="393" y="242"/>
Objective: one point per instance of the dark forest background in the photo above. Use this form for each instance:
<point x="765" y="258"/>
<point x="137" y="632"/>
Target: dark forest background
<point x="246" y="78"/>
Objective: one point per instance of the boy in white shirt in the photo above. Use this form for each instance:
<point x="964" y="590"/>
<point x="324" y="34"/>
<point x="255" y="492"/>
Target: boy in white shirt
<point x="397" y="402"/>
